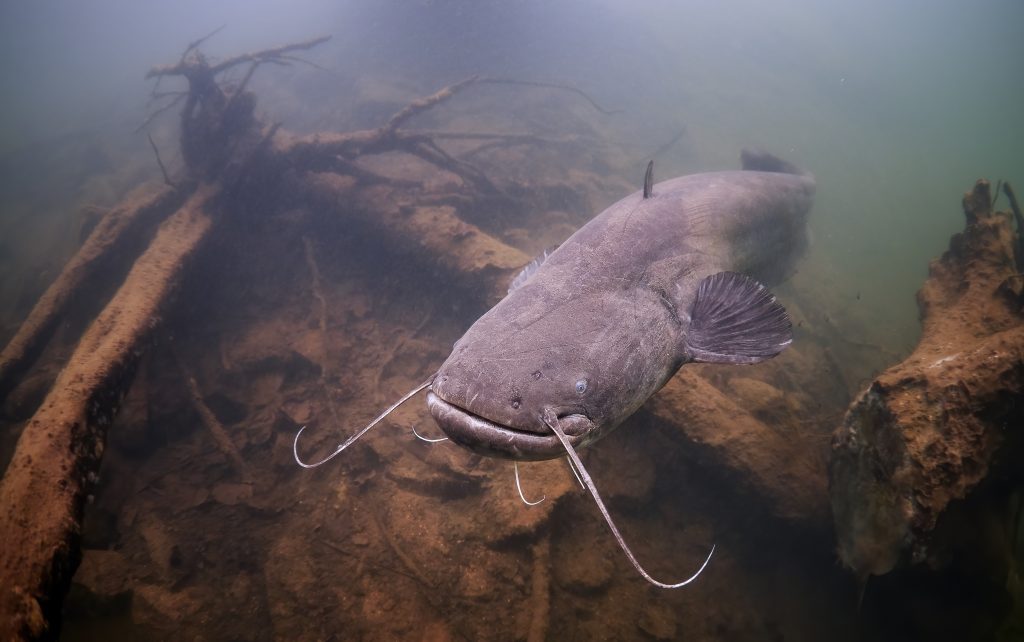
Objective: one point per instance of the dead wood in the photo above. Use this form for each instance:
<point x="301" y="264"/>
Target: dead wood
<point x="323" y="358"/>
<point x="926" y="431"/>
<point x="1018" y="220"/>
<point x="321" y="151"/>
<point x="160" y="162"/>
<point x="552" y="85"/>
<point x="192" y="62"/>
<point x="226" y="151"/>
<point x="408" y="562"/>
<point x="119" y="231"/>
<point x="540" y="591"/>
<point x="54" y="467"/>
<point x="459" y="248"/>
<point x="220" y="435"/>
<point x="759" y="462"/>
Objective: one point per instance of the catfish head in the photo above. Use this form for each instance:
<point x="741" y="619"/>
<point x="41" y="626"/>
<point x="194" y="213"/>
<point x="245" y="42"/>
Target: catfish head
<point x="588" y="359"/>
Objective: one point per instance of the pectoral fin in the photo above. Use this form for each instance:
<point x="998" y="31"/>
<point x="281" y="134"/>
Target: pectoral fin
<point x="735" y="319"/>
<point x="530" y="268"/>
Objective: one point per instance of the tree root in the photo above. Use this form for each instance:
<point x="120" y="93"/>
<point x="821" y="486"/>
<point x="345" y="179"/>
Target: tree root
<point x="57" y="457"/>
<point x="116" y="233"/>
<point x="226" y="151"/>
<point x="461" y="249"/>
<point x="926" y="431"/>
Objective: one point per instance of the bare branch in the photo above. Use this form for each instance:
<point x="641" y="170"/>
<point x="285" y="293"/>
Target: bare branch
<point x="183" y="66"/>
<point x="423" y="104"/>
<point x="307" y="62"/>
<point x="163" y="170"/>
<point x="268" y="54"/>
<point x="156" y="113"/>
<point x="195" y="43"/>
<point x="551" y="85"/>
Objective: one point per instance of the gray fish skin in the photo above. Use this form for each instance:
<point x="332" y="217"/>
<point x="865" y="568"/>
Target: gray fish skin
<point x="602" y="323"/>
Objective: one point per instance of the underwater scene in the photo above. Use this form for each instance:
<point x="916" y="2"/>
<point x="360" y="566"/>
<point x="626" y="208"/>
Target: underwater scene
<point x="511" y="320"/>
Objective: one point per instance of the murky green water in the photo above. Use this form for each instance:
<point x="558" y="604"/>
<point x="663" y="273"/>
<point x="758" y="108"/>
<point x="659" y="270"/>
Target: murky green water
<point x="896" y="108"/>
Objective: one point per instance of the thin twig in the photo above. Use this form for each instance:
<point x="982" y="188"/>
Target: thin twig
<point x="551" y="85"/>
<point x="429" y="151"/>
<point x="212" y="424"/>
<point x="395" y="347"/>
<point x="163" y="170"/>
<point x="153" y="116"/>
<point x="184" y="67"/>
<point x="307" y="62"/>
<point x="195" y="43"/>
<point x="407" y="561"/>
<point x="241" y="88"/>
<point x="668" y="145"/>
<point x="423" y="104"/>
<point x="268" y="54"/>
<point x="383" y="567"/>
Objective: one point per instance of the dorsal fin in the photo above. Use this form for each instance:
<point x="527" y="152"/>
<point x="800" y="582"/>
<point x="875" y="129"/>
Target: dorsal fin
<point x="530" y="268"/>
<point x="649" y="179"/>
<point x="735" y="319"/>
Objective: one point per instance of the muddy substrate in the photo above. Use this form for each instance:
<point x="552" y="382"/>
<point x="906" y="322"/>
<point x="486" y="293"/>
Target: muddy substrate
<point x="398" y="538"/>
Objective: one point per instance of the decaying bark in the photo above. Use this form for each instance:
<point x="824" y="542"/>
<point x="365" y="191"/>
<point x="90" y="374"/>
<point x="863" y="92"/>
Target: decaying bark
<point x="924" y="432"/>
<point x="44" y="490"/>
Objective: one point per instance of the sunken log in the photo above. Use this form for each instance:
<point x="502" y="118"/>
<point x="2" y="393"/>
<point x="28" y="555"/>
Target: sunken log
<point x="926" y="432"/>
<point x="122" y="230"/>
<point x="770" y="466"/>
<point x="476" y="260"/>
<point x="55" y="465"/>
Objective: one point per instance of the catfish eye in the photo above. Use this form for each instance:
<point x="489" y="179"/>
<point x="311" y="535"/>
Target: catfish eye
<point x="581" y="386"/>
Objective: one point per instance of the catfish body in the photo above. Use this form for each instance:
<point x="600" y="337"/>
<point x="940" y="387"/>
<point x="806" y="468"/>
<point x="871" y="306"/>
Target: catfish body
<point x="653" y="282"/>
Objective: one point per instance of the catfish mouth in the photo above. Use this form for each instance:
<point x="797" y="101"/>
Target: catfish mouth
<point x="492" y="439"/>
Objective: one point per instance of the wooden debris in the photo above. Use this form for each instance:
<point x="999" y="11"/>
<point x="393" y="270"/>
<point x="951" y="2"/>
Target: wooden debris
<point x="926" y="431"/>
<point x="540" y="591"/>
<point x="220" y="436"/>
<point x="54" y="467"/>
<point x="120" y="231"/>
<point x="752" y="457"/>
<point x="226" y="152"/>
<point x="461" y="249"/>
